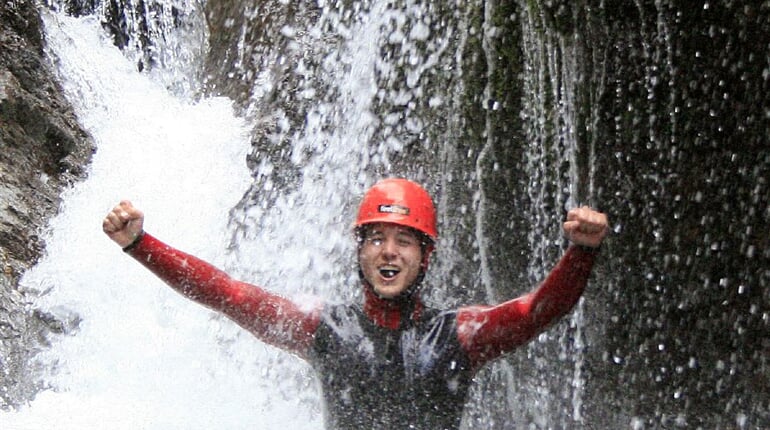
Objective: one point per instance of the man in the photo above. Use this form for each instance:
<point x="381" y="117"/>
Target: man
<point x="391" y="362"/>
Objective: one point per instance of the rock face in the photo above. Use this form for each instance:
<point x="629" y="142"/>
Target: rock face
<point x="42" y="151"/>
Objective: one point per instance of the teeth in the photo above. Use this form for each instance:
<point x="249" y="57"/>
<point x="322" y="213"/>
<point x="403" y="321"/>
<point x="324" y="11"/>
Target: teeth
<point x="389" y="273"/>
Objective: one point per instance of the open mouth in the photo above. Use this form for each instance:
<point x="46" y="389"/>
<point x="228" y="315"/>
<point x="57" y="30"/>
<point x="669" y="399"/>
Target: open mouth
<point x="389" y="272"/>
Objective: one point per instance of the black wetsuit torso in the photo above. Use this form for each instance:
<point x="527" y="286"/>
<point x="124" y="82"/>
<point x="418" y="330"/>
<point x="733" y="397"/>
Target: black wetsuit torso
<point x="415" y="377"/>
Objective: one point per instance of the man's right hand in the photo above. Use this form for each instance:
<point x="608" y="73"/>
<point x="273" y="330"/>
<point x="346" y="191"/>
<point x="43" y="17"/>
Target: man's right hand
<point x="123" y="224"/>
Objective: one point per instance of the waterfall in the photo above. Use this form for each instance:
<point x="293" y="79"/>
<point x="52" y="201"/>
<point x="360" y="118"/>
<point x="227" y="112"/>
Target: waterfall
<point x="551" y="85"/>
<point x="138" y="355"/>
<point x="509" y="112"/>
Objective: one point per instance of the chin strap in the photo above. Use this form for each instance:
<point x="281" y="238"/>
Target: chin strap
<point x="395" y="312"/>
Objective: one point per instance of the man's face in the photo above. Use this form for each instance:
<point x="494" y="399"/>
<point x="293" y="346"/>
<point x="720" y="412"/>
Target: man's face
<point x="390" y="258"/>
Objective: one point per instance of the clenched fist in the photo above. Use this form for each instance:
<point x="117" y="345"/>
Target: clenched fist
<point x="585" y="226"/>
<point x="124" y="223"/>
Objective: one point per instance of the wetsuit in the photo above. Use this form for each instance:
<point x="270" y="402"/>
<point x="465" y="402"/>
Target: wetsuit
<point x="385" y="364"/>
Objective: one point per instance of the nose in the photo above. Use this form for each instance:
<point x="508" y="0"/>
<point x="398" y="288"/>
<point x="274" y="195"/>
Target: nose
<point x="389" y="248"/>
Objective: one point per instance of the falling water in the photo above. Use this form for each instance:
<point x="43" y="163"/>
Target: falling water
<point x="140" y="356"/>
<point x="551" y="81"/>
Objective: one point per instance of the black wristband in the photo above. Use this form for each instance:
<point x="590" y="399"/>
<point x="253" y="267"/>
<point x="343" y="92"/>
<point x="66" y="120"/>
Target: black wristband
<point x="135" y="242"/>
<point x="590" y="249"/>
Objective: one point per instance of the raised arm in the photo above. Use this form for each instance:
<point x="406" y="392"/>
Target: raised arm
<point x="271" y="318"/>
<point x="486" y="332"/>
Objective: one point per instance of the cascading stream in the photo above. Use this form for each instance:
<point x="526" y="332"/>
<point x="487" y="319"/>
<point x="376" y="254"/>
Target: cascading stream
<point x="141" y="356"/>
<point x="551" y="84"/>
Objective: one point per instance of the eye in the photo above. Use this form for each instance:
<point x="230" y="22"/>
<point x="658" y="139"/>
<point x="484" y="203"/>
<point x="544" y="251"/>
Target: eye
<point x="376" y="241"/>
<point x="407" y="241"/>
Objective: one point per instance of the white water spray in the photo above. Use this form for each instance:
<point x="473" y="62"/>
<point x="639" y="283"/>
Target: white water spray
<point x="142" y="357"/>
<point x="552" y="81"/>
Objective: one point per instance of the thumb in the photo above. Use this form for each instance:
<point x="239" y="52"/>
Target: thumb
<point x="123" y="223"/>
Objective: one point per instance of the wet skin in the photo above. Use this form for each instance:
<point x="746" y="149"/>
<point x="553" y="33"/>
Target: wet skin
<point x="390" y="258"/>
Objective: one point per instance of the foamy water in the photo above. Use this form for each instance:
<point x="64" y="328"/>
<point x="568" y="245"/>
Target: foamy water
<point x="143" y="357"/>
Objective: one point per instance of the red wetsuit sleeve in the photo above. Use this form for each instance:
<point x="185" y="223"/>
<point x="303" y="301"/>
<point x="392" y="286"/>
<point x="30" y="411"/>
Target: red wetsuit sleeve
<point x="273" y="319"/>
<point x="486" y="332"/>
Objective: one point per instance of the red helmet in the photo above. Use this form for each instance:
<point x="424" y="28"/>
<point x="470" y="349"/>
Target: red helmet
<point x="399" y="201"/>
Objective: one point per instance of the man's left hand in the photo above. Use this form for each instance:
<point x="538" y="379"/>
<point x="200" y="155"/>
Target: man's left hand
<point x="586" y="227"/>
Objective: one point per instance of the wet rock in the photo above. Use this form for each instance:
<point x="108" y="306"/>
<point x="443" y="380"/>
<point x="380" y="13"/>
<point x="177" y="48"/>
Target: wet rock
<point x="42" y="151"/>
